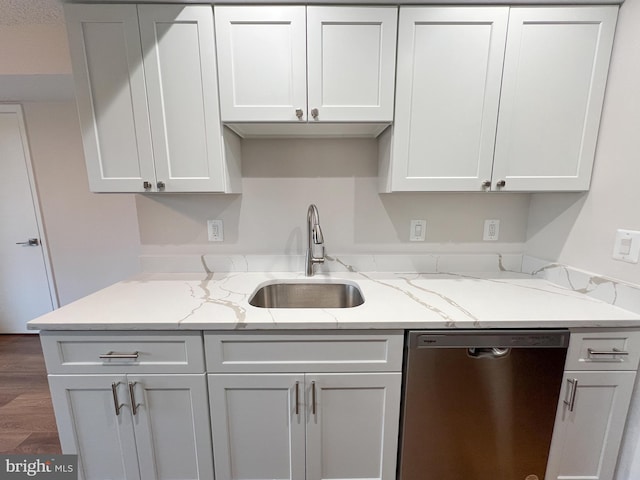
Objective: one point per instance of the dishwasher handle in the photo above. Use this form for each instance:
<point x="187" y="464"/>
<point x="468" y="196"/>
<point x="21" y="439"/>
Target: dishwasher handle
<point x="488" y="352"/>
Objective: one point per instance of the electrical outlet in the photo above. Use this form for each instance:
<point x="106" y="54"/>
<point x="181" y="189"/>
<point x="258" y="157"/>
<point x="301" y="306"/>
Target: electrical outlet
<point x="491" y="230"/>
<point x="215" y="230"/>
<point x="418" y="230"/>
<point x="627" y="246"/>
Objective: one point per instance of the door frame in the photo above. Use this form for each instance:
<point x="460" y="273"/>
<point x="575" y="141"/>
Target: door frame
<point x="17" y="109"/>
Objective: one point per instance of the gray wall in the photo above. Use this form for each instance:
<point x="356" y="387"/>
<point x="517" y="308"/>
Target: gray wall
<point x="579" y="229"/>
<point x="93" y="239"/>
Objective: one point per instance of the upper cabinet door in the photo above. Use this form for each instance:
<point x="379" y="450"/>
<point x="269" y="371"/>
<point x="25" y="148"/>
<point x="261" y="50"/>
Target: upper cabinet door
<point x="351" y="61"/>
<point x="182" y="87"/>
<point x="555" y="72"/>
<point x="262" y="61"/>
<point x="447" y="96"/>
<point x="104" y="42"/>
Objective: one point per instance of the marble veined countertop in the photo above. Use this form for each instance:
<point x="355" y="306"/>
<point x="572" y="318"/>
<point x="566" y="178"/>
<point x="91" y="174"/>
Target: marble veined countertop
<point x="220" y="301"/>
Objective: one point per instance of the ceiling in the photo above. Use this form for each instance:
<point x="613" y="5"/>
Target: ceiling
<point x="32" y="12"/>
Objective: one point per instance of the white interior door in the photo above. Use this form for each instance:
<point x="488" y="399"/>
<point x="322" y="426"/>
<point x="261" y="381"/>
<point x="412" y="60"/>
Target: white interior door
<point x="25" y="288"/>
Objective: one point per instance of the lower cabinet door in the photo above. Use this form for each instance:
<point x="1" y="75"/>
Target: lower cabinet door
<point x="352" y="425"/>
<point x="94" y="422"/>
<point x="171" y="422"/>
<point x="258" y="426"/>
<point x="589" y="424"/>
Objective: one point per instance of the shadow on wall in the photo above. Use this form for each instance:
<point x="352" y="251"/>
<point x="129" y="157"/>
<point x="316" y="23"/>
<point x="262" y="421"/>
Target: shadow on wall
<point x="179" y="219"/>
<point x="551" y="219"/>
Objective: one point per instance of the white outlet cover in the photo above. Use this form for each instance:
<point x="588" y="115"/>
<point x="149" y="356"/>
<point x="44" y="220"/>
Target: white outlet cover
<point x="491" y="230"/>
<point x="627" y="246"/>
<point x="215" y="230"/>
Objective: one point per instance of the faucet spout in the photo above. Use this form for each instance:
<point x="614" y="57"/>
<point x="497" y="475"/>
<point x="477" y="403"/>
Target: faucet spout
<point x="314" y="238"/>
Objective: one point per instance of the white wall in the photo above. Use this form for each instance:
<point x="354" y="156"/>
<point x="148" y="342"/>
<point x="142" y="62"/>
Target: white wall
<point x="579" y="229"/>
<point x="93" y="239"/>
<point x="282" y="177"/>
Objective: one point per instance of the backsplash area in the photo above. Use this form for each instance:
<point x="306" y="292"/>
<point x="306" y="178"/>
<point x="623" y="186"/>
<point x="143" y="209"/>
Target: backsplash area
<point x="615" y="292"/>
<point x="281" y="177"/>
<point x="621" y="294"/>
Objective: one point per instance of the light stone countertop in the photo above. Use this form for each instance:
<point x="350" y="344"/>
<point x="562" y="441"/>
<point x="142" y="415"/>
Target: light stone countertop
<point x="220" y="301"/>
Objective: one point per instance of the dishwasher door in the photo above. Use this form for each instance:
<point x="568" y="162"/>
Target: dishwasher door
<point x="480" y="405"/>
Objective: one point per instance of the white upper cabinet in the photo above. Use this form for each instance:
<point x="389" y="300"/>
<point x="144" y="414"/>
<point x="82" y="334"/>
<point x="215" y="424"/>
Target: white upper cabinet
<point x="146" y="88"/>
<point x="273" y="58"/>
<point x="497" y="98"/>
<point x="449" y="69"/>
<point x="351" y="55"/>
<point x="262" y="59"/>
<point x="180" y="68"/>
<point x="104" y="43"/>
<point x="555" y="73"/>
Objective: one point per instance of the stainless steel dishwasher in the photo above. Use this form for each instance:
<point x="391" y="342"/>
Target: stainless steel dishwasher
<point x="480" y="405"/>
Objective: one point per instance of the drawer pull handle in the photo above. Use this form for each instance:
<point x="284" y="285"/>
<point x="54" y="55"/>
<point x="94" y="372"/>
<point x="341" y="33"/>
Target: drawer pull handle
<point x="134" y="405"/>
<point x="117" y="355"/>
<point x="313" y="398"/>
<point x="612" y="352"/>
<point x="116" y="403"/>
<point x="571" y="403"/>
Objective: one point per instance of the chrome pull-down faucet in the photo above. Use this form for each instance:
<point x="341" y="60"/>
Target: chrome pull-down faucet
<point x="314" y="238"/>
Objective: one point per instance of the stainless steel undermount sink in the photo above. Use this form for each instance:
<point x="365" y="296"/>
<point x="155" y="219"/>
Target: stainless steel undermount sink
<point x="307" y="295"/>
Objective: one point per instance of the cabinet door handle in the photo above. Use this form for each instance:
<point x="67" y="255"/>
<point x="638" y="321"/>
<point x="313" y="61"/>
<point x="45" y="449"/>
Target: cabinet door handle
<point x="501" y="183"/>
<point x="314" y="113"/>
<point x="134" y="405"/>
<point x="120" y="356"/>
<point x="571" y="403"/>
<point x="612" y="352"/>
<point x="297" y="398"/>
<point x="299" y="113"/>
<point x="116" y="403"/>
<point x="486" y="184"/>
<point x="313" y="398"/>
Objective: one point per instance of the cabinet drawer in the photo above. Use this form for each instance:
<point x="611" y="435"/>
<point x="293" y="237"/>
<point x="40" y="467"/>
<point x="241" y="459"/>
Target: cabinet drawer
<point x="320" y="352"/>
<point x="604" y="350"/>
<point x="123" y="352"/>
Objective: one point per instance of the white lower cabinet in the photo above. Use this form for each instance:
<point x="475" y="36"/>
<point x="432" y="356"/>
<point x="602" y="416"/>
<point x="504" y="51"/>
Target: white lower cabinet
<point x="305" y="426"/>
<point x="593" y="405"/>
<point x="311" y="406"/>
<point x="134" y="426"/>
<point x="589" y="429"/>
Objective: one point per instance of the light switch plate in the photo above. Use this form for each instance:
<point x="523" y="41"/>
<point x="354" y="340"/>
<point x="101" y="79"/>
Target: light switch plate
<point x="215" y="230"/>
<point x="418" y="230"/>
<point x="627" y="246"/>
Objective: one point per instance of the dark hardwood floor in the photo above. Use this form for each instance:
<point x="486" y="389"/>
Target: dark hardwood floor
<point x="27" y="423"/>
